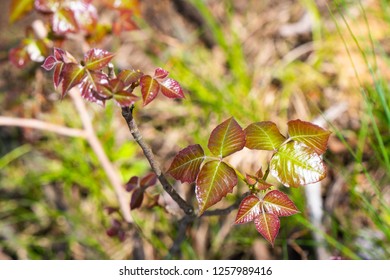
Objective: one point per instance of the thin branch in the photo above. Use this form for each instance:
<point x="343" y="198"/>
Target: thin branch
<point x="127" y="113"/>
<point x="112" y="174"/>
<point x="41" y="125"/>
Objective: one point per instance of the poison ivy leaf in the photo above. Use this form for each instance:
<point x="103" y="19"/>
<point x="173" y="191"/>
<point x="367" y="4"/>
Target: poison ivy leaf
<point x="148" y="180"/>
<point x="160" y="73"/>
<point x="129" y="76"/>
<point x="46" y="6"/>
<point x="296" y="164"/>
<point x="124" y="22"/>
<point x="279" y="204"/>
<point x="132" y="184"/>
<point x="263" y="185"/>
<point x="250" y="208"/>
<point x="49" y="63"/>
<point x="186" y="164"/>
<point x="171" y="89"/>
<point x="96" y="59"/>
<point x="85" y="15"/>
<point x="251" y="180"/>
<point x="19" y="8"/>
<point x="19" y="57"/>
<point x="136" y="198"/>
<point x="122" y="4"/>
<point x="263" y="136"/>
<point x="63" y="21"/>
<point x="124" y="98"/>
<point x="309" y="134"/>
<point x="215" y="180"/>
<point x="227" y="138"/>
<point x="93" y="87"/>
<point x="73" y="74"/>
<point x="57" y="74"/>
<point x="268" y="224"/>
<point x="149" y="89"/>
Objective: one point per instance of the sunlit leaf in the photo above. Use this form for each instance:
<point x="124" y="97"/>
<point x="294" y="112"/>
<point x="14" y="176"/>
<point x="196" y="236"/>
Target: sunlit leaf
<point x="136" y="198"/>
<point x="124" y="98"/>
<point x="96" y="59"/>
<point x="129" y="76"/>
<point x="160" y="73"/>
<point x="215" y="180"/>
<point x="309" y="134"/>
<point x="250" y="207"/>
<point x="63" y="21"/>
<point x="171" y="89"/>
<point x="268" y="224"/>
<point x="19" y="8"/>
<point x="251" y="180"/>
<point x="148" y="180"/>
<point x="227" y="138"/>
<point x="85" y="15"/>
<point x="94" y="86"/>
<point x="296" y="164"/>
<point x="73" y="74"/>
<point x="47" y="6"/>
<point x="186" y="164"/>
<point x="263" y="136"/>
<point x="279" y="204"/>
<point x="149" y="89"/>
<point x="49" y="63"/>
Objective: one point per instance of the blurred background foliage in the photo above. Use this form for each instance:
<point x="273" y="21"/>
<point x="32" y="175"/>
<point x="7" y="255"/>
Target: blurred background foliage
<point x="254" y="60"/>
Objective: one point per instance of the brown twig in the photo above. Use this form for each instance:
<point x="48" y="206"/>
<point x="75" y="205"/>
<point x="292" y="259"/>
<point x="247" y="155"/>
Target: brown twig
<point x="42" y="125"/>
<point x="127" y="113"/>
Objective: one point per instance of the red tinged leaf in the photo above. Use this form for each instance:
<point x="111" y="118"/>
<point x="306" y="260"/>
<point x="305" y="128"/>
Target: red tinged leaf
<point x="259" y="174"/>
<point x="309" y="134"/>
<point x="57" y="74"/>
<point x="171" y="89"/>
<point x="122" y="4"/>
<point x="63" y="21"/>
<point x="227" y="138"/>
<point x="97" y="59"/>
<point x="296" y="164"/>
<point x="136" y="198"/>
<point x="251" y="180"/>
<point x="49" y="63"/>
<point x="263" y="136"/>
<point x="85" y="15"/>
<point x="249" y="209"/>
<point x="132" y="184"/>
<point x="268" y="224"/>
<point x="73" y="74"/>
<point x="124" y="98"/>
<point x="19" y="8"/>
<point x="93" y="86"/>
<point x="215" y="180"/>
<point x="149" y="89"/>
<point x="19" y="57"/>
<point x="186" y="164"/>
<point x="124" y="22"/>
<point x="149" y="180"/>
<point x="46" y="6"/>
<point x="263" y="185"/>
<point x="129" y="76"/>
<point x="279" y="204"/>
<point x="160" y="73"/>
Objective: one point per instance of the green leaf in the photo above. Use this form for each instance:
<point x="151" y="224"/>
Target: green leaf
<point x="96" y="59"/>
<point x="227" y="138"/>
<point x="268" y="224"/>
<point x="19" y="8"/>
<point x="250" y="208"/>
<point x="263" y="136"/>
<point x="309" y="134"/>
<point x="73" y="74"/>
<point x="296" y="164"/>
<point x="149" y="89"/>
<point x="63" y="21"/>
<point x="215" y="180"/>
<point x="186" y="164"/>
<point x="279" y="204"/>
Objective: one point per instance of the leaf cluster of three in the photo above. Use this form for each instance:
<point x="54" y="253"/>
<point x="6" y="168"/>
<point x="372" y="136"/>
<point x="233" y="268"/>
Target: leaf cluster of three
<point x="296" y="161"/>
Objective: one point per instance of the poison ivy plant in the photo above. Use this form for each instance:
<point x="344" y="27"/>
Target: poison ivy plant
<point x="296" y="161"/>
